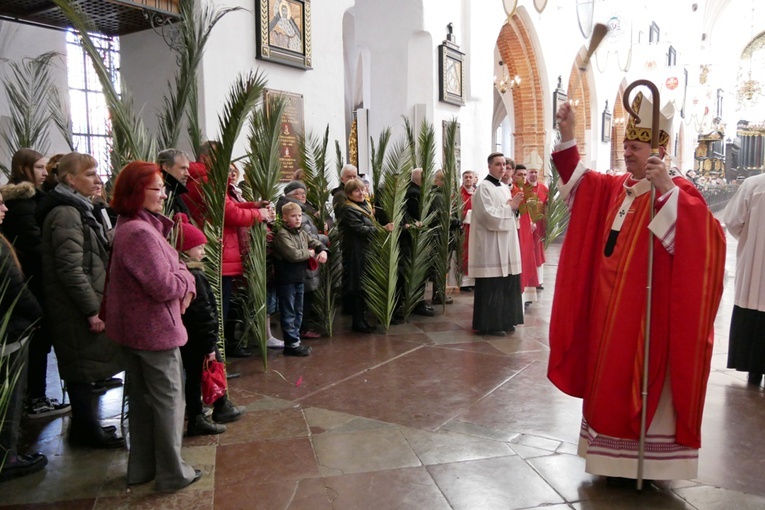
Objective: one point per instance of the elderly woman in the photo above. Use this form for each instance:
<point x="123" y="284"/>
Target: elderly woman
<point x="357" y="224"/>
<point x="296" y="192"/>
<point x="149" y="288"/>
<point x="22" y="194"/>
<point x="74" y="259"/>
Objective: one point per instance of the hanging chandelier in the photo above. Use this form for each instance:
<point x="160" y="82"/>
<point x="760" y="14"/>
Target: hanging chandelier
<point x="504" y="82"/>
<point x="749" y="90"/>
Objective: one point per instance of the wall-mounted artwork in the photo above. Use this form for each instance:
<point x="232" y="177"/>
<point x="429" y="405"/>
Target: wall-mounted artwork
<point x="284" y="32"/>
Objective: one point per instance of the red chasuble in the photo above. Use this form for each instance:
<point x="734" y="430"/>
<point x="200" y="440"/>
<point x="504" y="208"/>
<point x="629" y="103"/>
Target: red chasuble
<point x="467" y="205"/>
<point x="598" y="314"/>
<point x="542" y="193"/>
<point x="529" y="275"/>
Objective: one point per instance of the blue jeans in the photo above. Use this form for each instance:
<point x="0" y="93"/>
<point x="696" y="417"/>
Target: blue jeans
<point x="291" y="311"/>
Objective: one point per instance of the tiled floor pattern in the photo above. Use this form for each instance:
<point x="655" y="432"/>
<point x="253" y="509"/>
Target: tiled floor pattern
<point x="429" y="416"/>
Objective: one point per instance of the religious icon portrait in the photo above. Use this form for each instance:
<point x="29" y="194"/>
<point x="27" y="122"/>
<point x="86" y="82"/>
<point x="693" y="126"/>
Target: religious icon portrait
<point x="284" y="32"/>
<point x="284" y="27"/>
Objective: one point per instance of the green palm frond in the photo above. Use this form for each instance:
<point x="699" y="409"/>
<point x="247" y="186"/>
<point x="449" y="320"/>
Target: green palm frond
<point x="129" y="134"/>
<point x="27" y="87"/>
<point x="447" y="198"/>
<point x="316" y="170"/>
<point x="256" y="309"/>
<point x="381" y="274"/>
<point x="194" y="32"/>
<point x="193" y="124"/>
<point x="264" y="168"/>
<point x="61" y="117"/>
<point x="378" y="157"/>
<point x="338" y="159"/>
<point x="557" y="214"/>
<point x="242" y="98"/>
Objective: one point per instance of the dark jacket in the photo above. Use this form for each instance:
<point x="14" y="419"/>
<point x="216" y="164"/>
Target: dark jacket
<point x="22" y="230"/>
<point x="74" y="260"/>
<point x="338" y="201"/>
<point x="291" y="254"/>
<point x="175" y="191"/>
<point x="309" y="226"/>
<point x="201" y="317"/>
<point x="26" y="311"/>
<point x="357" y="226"/>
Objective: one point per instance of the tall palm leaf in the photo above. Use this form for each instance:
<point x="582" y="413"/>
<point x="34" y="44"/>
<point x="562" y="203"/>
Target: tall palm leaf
<point x="447" y="195"/>
<point x="262" y="173"/>
<point x="130" y="138"/>
<point x="338" y="160"/>
<point x="381" y="274"/>
<point x="61" y="117"/>
<point x="557" y="214"/>
<point x="316" y="175"/>
<point x="27" y="86"/>
<point x="378" y="157"/>
<point x="194" y="32"/>
<point x="193" y="124"/>
<point x="242" y="98"/>
<point x="417" y="266"/>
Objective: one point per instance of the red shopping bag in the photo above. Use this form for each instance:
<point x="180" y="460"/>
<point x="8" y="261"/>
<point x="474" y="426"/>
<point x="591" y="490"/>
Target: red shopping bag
<point x="213" y="381"/>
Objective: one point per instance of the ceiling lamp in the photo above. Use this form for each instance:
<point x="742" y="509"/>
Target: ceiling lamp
<point x="504" y="82"/>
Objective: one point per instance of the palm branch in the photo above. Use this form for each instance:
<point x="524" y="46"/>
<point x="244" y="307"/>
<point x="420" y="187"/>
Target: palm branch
<point x="417" y="267"/>
<point x="261" y="173"/>
<point x="61" y="117"/>
<point x="557" y="214"/>
<point x="444" y="241"/>
<point x="130" y="138"/>
<point x="242" y="98"/>
<point x="338" y="160"/>
<point x="313" y="152"/>
<point x="381" y="274"/>
<point x="27" y="87"/>
<point x="378" y="157"/>
<point x="194" y="32"/>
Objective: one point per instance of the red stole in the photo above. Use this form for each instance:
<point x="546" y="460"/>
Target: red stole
<point x="467" y="205"/>
<point x="598" y="315"/>
<point x="539" y="234"/>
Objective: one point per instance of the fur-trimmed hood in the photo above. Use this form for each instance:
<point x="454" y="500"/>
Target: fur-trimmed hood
<point x="21" y="190"/>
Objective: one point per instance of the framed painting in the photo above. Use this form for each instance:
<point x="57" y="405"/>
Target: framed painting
<point x="606" y="135"/>
<point x="451" y="75"/>
<point x="291" y="129"/>
<point x="284" y="32"/>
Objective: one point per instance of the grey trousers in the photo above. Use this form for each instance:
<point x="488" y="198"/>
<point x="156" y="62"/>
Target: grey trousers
<point x="155" y="396"/>
<point x="9" y="432"/>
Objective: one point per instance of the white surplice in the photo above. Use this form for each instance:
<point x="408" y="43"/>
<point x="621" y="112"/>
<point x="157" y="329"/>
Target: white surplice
<point x="493" y="249"/>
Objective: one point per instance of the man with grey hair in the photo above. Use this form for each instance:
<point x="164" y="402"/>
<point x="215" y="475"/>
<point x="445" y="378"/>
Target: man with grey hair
<point x="174" y="164"/>
<point x="347" y="173"/>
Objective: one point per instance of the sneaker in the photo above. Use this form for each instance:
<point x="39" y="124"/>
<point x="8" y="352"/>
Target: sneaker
<point x="23" y="465"/>
<point x="227" y="413"/>
<point x="298" y="350"/>
<point x="46" y="407"/>
<point x="274" y="343"/>
<point x="203" y="426"/>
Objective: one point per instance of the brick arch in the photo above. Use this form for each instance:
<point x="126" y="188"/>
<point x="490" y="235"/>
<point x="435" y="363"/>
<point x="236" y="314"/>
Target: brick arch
<point x="578" y="90"/>
<point x="618" y="126"/>
<point x="517" y="51"/>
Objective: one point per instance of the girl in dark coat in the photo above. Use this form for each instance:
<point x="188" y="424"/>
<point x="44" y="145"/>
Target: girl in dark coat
<point x="357" y="224"/>
<point x="22" y="195"/>
<point x="25" y="312"/>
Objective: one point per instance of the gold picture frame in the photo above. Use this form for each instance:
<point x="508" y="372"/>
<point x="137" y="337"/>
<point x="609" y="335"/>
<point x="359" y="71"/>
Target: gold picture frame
<point x="451" y="75"/>
<point x="284" y="32"/>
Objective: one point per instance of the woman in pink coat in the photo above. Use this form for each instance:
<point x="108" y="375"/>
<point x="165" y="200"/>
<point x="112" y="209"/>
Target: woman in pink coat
<point x="148" y="290"/>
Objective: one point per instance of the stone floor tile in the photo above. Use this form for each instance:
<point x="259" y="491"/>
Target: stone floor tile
<point x="541" y="443"/>
<point x="443" y="446"/>
<point x="528" y="452"/>
<point x="714" y="498"/>
<point x="359" y="424"/>
<point x="459" y="336"/>
<point x="472" y="429"/>
<point x="323" y="420"/>
<point x="308" y="494"/>
<point x="72" y="504"/>
<point x="519" y="342"/>
<point x="268" y="403"/>
<point x="501" y="483"/>
<point x="436" y="327"/>
<point x="265" y="461"/>
<point x="358" y="452"/>
<point x="262" y="425"/>
<point x="391" y="489"/>
<point x="483" y="347"/>
<point x="184" y="499"/>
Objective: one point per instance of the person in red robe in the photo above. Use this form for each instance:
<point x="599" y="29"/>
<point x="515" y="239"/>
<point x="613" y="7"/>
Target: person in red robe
<point x="599" y="307"/>
<point x="539" y="227"/>
<point x="529" y="275"/>
<point x="467" y="189"/>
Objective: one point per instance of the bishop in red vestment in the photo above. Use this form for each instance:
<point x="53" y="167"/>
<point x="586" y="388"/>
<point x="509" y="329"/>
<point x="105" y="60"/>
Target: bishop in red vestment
<point x="598" y="314"/>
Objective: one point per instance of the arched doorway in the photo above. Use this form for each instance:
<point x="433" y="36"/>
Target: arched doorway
<point x="517" y="52"/>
